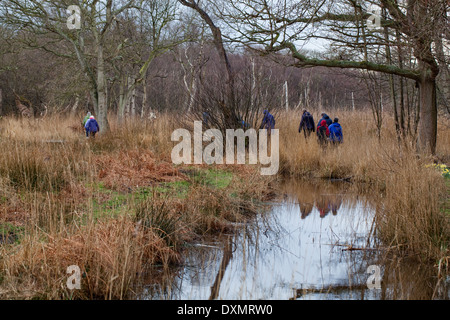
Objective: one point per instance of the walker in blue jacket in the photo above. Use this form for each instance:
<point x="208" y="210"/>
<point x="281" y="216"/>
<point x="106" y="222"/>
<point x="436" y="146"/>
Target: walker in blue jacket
<point x="336" y="135"/>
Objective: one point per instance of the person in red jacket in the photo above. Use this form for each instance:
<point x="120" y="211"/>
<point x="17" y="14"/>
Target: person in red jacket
<point x="323" y="132"/>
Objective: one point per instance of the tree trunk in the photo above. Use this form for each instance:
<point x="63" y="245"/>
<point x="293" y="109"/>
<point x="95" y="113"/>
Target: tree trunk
<point x="228" y="107"/>
<point x="74" y="109"/>
<point x="353" y="101"/>
<point x="133" y="103"/>
<point x="426" y="142"/>
<point x="94" y="99"/>
<point x="286" y="95"/>
<point x="122" y="101"/>
<point x="127" y="98"/>
<point x="144" y="97"/>
<point x="392" y="88"/>
<point x="102" y="115"/>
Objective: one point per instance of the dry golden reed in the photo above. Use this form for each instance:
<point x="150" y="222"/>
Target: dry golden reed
<point x="49" y="177"/>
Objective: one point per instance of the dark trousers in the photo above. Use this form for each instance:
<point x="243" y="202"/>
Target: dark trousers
<point x="307" y="132"/>
<point x="92" y="134"/>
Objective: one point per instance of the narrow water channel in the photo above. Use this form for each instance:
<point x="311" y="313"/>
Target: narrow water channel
<point x="316" y="242"/>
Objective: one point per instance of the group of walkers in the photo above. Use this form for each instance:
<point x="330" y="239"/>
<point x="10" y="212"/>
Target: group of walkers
<point x="327" y="130"/>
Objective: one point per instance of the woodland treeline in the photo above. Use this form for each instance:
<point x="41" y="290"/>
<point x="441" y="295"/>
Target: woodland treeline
<point x="134" y="58"/>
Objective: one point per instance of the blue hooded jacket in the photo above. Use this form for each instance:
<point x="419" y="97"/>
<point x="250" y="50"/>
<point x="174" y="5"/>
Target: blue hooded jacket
<point x="327" y="119"/>
<point x="92" y="126"/>
<point x="336" y="132"/>
<point x="205" y="118"/>
<point x="268" y="121"/>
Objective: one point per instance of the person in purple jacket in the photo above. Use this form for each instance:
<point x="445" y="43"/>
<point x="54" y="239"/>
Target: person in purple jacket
<point x="307" y="124"/>
<point x="91" y="127"/>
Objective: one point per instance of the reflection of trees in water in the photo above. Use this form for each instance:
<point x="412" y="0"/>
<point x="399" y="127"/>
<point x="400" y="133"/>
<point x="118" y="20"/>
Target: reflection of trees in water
<point x="406" y="279"/>
<point x="266" y="237"/>
<point x="204" y="263"/>
<point x="227" y="256"/>
<point x="401" y="279"/>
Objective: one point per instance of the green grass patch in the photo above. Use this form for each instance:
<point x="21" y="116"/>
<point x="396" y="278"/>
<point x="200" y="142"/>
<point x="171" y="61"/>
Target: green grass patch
<point x="111" y="208"/>
<point x="219" y="179"/>
<point x="112" y="203"/>
<point x="106" y="202"/>
<point x="10" y="233"/>
<point x="446" y="202"/>
<point x="178" y="189"/>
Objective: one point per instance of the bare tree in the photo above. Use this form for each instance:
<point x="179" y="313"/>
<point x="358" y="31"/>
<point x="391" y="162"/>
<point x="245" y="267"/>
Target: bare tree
<point x="145" y="35"/>
<point x="192" y="57"/>
<point x="87" y="43"/>
<point x="228" y="107"/>
<point x="282" y="26"/>
<point x="374" y="83"/>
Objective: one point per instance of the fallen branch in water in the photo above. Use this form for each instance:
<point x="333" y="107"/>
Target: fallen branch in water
<point x="350" y="247"/>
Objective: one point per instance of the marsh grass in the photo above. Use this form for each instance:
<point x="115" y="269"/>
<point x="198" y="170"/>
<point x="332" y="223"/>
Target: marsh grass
<point x="153" y="213"/>
<point x="410" y="218"/>
<point x="115" y="205"/>
<point x="408" y="191"/>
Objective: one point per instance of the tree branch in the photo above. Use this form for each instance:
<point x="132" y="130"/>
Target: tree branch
<point x="302" y="60"/>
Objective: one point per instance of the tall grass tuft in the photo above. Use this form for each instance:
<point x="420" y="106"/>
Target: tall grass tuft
<point x="409" y="217"/>
<point x="153" y="214"/>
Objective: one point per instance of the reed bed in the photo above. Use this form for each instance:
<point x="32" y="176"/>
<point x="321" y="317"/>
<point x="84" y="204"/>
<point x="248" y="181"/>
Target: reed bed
<point x="409" y="192"/>
<point x="104" y="206"/>
<point x="116" y="206"/>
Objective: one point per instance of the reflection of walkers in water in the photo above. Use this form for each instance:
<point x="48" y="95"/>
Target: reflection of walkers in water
<point x="305" y="209"/>
<point x="327" y="203"/>
<point x="325" y="198"/>
<point x="336" y="204"/>
<point x="323" y="205"/>
<point x="306" y="196"/>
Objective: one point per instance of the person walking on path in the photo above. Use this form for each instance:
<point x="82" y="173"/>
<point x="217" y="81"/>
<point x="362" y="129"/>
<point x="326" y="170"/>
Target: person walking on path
<point x="307" y="124"/>
<point x="268" y="122"/>
<point x="323" y="132"/>
<point x="336" y="135"/>
<point x="91" y="127"/>
<point x="86" y="118"/>
<point x="326" y="118"/>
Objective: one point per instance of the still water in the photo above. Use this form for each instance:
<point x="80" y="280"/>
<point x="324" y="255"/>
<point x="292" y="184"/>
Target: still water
<point x="316" y="241"/>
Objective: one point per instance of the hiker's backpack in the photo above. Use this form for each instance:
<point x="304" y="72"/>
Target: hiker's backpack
<point x="322" y="133"/>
